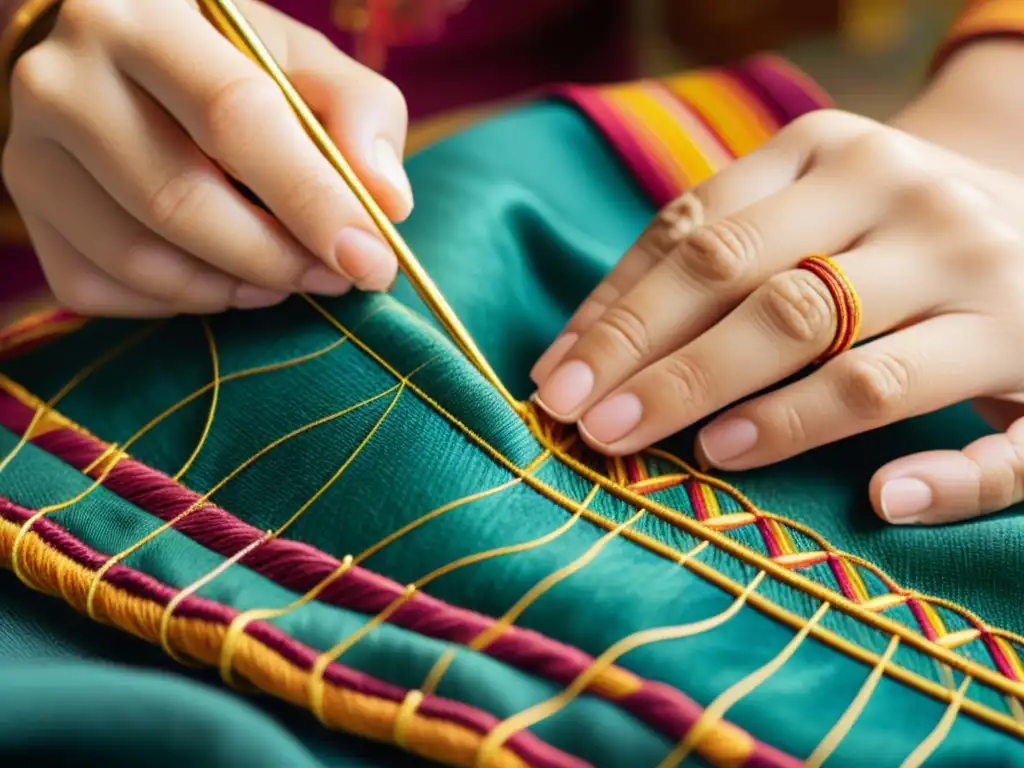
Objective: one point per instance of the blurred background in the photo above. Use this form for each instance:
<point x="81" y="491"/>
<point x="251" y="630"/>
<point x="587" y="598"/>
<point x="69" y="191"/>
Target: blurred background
<point x="870" y="55"/>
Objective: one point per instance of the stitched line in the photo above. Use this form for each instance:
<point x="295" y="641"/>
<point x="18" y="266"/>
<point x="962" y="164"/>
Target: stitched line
<point x="928" y="747"/>
<point x="433" y="735"/>
<point x="488" y="636"/>
<point x="546" y="709"/>
<point x="737" y="691"/>
<point x="838" y="732"/>
<point x="734" y="548"/>
<point x="214" y="397"/>
<point x="75" y="380"/>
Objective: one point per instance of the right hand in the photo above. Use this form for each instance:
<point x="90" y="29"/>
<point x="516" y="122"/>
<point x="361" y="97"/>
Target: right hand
<point x="118" y="118"/>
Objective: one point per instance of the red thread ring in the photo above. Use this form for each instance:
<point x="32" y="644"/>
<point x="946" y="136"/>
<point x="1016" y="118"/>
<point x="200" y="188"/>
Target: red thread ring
<point x="845" y="299"/>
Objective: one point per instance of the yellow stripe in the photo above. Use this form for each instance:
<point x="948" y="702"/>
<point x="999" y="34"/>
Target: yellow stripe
<point x="856" y="580"/>
<point x="732" y="117"/>
<point x="677" y="154"/>
<point x="1011" y="656"/>
<point x="710" y="500"/>
<point x="933" y="618"/>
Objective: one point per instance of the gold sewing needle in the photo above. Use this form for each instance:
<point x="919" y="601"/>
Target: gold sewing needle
<point x="225" y="15"/>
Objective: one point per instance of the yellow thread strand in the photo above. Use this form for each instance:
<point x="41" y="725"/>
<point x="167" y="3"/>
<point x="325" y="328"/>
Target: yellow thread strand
<point x="191" y="589"/>
<point x="97" y="482"/>
<point x="201" y="501"/>
<point x="316" y="679"/>
<point x="502" y="732"/>
<point x="1016" y="709"/>
<point x="737" y="691"/>
<point x="497" y="629"/>
<point x="410" y="704"/>
<point x="734" y="548"/>
<point x="433" y="678"/>
<point x="435" y="513"/>
<point x="927" y="747"/>
<point x="39" y="514"/>
<point x="73" y="382"/>
<point x="238" y="625"/>
<point x="341" y="470"/>
<point x="241" y="621"/>
<point x="838" y="732"/>
<point x="215" y="364"/>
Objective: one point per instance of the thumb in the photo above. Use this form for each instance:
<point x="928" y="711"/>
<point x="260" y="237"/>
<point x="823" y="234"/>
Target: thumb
<point x="947" y="486"/>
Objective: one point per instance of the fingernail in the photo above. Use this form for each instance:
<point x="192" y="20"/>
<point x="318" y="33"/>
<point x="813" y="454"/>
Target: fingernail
<point x="566" y="388"/>
<point x="905" y="500"/>
<point x="389" y="165"/>
<point x="253" y="297"/>
<point x="322" y="281"/>
<point x="725" y="440"/>
<point x="364" y="257"/>
<point x="614" y="419"/>
<point x="552" y="357"/>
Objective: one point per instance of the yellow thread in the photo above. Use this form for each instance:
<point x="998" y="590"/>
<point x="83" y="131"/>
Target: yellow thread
<point x="994" y="679"/>
<point x="238" y="625"/>
<point x="242" y="620"/>
<point x="497" y="629"/>
<point x="215" y="363"/>
<point x="548" y="708"/>
<point x="191" y="589"/>
<point x="1016" y="709"/>
<point x="201" y="501"/>
<point x="433" y="678"/>
<point x="734" y="693"/>
<point x="410" y="704"/>
<point x="927" y="747"/>
<point x="41" y="513"/>
<point x="316" y="679"/>
<point x="843" y="725"/>
<point x="347" y="463"/>
<point x="73" y="382"/>
<point x="391" y="538"/>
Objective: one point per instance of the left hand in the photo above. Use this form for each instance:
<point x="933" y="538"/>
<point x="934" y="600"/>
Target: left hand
<point x="708" y="308"/>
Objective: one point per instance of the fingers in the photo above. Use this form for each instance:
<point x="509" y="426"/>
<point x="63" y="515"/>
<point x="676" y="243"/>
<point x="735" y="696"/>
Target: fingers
<point x="79" y="285"/>
<point x="697" y="284"/>
<point x="946" y="486"/>
<point x="906" y="374"/>
<point x="238" y="116"/>
<point x="95" y="227"/>
<point x="715" y="243"/>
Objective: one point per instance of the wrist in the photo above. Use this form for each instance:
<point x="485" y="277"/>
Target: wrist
<point x="969" y="108"/>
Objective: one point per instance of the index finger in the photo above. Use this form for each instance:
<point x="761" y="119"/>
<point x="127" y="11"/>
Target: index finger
<point x="238" y="116"/>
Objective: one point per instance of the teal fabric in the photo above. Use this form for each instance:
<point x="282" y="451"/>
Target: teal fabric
<point x="517" y="219"/>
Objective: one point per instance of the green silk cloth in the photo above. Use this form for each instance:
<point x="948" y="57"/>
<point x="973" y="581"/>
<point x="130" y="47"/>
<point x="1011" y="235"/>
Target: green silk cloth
<point x="517" y="219"/>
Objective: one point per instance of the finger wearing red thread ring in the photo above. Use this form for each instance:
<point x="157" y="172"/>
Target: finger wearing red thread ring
<point x="845" y="298"/>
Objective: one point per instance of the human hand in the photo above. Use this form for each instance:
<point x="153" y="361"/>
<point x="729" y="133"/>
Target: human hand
<point x="116" y="116"/>
<point x="708" y="307"/>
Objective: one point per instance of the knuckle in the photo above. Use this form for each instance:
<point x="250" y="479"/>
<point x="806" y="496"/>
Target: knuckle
<point x="811" y="126"/>
<point x="875" y="388"/>
<point x="798" y="306"/>
<point x="175" y="202"/>
<point x="947" y="200"/>
<point x="38" y="78"/>
<point x="93" y="17"/>
<point x="685" y="380"/>
<point x="242" y="101"/>
<point x="887" y="154"/>
<point x="626" y="331"/>
<point x="722" y="253"/>
<point x="391" y="96"/>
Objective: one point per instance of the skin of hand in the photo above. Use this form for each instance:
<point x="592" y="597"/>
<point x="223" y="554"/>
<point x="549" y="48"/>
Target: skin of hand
<point x="707" y="313"/>
<point x="124" y="116"/>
